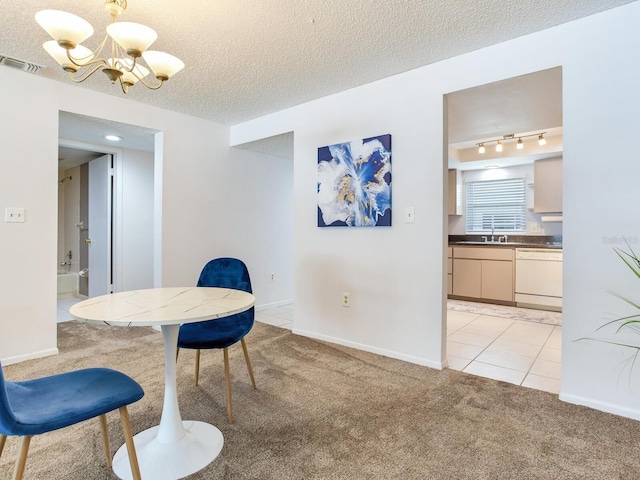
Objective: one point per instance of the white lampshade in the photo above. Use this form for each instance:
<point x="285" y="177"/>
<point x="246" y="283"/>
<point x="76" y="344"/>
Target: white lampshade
<point x="80" y="54"/>
<point x="162" y="64"/>
<point x="129" y="77"/>
<point x="132" y="36"/>
<point x="63" y="26"/>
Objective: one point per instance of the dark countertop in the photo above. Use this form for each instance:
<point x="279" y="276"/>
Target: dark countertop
<point x="513" y="241"/>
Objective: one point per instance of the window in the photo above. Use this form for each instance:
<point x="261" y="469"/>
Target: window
<point x="496" y="205"/>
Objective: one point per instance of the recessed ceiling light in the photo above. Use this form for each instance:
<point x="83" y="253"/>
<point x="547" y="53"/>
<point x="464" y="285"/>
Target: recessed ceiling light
<point x="489" y="167"/>
<point x="113" y="138"/>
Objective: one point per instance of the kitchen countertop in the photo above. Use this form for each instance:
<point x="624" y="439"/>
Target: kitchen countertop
<point x="513" y="241"/>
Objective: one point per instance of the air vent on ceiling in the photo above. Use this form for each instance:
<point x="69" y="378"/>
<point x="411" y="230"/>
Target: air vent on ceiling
<point x="19" y="64"/>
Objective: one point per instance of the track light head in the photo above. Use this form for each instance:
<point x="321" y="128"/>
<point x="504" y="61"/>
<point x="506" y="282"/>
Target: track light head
<point x="499" y="146"/>
<point x="541" y="140"/>
<point x="481" y="148"/>
<point x="520" y="144"/>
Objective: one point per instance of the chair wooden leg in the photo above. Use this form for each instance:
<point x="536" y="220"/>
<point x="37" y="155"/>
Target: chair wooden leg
<point x="177" y="353"/>
<point x="105" y="439"/>
<point x="128" y="439"/>
<point x="3" y="439"/>
<point x="22" y="458"/>
<point x="197" y="365"/>
<point x="246" y="357"/>
<point x="227" y="376"/>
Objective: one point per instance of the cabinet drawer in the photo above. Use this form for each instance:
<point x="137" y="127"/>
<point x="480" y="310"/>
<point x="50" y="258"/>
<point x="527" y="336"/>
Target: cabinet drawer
<point x="483" y="253"/>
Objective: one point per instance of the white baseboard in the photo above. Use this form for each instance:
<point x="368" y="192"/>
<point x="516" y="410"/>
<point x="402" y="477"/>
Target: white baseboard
<point x="367" y="348"/>
<point x="266" y="306"/>
<point x="29" y="356"/>
<point x="602" y="406"/>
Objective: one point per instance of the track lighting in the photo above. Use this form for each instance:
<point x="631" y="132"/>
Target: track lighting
<point x="511" y="136"/>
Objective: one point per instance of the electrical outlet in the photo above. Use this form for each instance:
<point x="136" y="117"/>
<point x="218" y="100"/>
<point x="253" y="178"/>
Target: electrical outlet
<point x="14" y="215"/>
<point x="346" y="299"/>
<point x="272" y="277"/>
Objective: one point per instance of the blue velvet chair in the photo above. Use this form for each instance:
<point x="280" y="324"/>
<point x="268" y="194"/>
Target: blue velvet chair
<point x="45" y="404"/>
<point x="223" y="332"/>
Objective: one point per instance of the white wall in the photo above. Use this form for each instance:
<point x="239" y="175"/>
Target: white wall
<point x="68" y="217"/>
<point x="396" y="275"/>
<point x="212" y="198"/>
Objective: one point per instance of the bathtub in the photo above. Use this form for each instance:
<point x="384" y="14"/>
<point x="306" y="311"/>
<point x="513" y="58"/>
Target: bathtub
<point x="67" y="284"/>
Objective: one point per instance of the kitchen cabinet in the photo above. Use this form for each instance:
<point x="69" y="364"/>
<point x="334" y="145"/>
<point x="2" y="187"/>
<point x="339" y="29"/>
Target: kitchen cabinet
<point x="547" y="196"/>
<point x="454" y="197"/>
<point x="484" y="273"/>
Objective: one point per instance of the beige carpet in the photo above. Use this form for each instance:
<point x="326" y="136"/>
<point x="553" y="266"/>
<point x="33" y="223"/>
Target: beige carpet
<point x="327" y="412"/>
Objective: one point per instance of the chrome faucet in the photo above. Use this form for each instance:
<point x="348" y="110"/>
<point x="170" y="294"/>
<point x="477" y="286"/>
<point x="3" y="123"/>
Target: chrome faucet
<point x="492" y="239"/>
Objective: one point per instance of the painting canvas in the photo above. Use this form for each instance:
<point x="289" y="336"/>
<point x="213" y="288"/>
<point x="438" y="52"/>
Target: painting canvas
<point x="354" y="183"/>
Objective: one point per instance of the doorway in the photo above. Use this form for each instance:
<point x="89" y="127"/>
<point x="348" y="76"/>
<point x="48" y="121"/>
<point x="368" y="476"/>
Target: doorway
<point x="499" y="339"/>
<point x="84" y="196"/>
<point x="120" y="242"/>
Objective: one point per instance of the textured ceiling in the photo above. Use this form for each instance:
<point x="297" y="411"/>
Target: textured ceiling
<point x="247" y="58"/>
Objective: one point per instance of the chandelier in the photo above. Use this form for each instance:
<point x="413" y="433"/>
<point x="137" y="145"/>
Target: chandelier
<point x="129" y="43"/>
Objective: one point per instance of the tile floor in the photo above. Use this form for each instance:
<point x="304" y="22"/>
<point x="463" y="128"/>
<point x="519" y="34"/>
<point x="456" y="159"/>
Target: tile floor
<point x="64" y="304"/>
<point x="503" y="348"/>
<point x="281" y="316"/>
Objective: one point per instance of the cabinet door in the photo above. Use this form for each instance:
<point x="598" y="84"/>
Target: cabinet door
<point x="547" y="197"/>
<point x="467" y="277"/>
<point x="497" y="280"/>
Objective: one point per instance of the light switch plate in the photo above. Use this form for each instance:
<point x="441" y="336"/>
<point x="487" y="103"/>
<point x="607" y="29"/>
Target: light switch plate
<point x="14" y="215"/>
<point x="409" y="215"/>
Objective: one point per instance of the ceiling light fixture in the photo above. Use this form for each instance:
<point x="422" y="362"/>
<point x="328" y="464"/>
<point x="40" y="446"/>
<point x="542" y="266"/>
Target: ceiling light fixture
<point x="511" y="136"/>
<point x="129" y="42"/>
<point x="113" y="138"/>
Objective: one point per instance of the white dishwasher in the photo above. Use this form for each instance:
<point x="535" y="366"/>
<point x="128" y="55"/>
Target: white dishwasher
<point x="539" y="278"/>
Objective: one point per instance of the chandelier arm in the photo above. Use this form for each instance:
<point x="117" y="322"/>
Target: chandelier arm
<point x="149" y="86"/>
<point x="95" y="53"/>
<point x="124" y="86"/>
<point x="86" y="74"/>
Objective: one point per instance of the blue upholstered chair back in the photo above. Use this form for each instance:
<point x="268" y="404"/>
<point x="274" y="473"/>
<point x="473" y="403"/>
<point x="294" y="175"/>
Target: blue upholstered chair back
<point x="7" y="419"/>
<point x="225" y="273"/>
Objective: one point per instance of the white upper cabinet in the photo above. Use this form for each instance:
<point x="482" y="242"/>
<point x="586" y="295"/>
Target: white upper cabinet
<point x="548" y="186"/>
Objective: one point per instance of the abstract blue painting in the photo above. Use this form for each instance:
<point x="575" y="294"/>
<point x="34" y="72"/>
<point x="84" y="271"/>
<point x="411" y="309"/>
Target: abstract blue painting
<point x="354" y="183"/>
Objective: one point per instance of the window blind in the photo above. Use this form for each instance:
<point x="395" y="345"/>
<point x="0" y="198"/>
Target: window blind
<point x="496" y="205"/>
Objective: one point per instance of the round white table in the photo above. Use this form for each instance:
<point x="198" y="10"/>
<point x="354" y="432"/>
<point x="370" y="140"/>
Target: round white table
<point x="175" y="448"/>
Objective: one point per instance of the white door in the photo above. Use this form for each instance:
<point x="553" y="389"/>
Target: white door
<point x="100" y="193"/>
